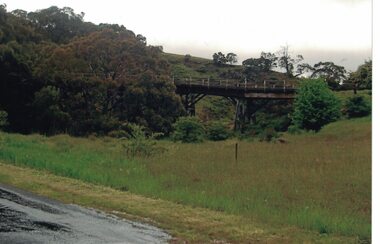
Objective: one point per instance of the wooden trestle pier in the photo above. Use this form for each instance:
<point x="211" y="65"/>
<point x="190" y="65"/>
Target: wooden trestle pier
<point x="240" y="93"/>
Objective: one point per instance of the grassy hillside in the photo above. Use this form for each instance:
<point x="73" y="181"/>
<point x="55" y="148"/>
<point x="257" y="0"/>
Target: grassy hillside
<point x="202" y="67"/>
<point x="316" y="182"/>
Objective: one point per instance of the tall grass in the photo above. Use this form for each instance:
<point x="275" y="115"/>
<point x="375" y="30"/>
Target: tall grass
<point x="319" y="182"/>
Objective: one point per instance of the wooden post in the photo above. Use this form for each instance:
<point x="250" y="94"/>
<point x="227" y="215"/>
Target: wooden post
<point x="236" y="152"/>
<point x="264" y="85"/>
<point x="245" y="83"/>
<point x="284" y="86"/>
<point x="208" y="82"/>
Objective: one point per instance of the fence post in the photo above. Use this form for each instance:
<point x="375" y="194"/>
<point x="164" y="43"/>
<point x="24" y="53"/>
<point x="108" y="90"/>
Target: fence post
<point x="264" y="85"/>
<point x="236" y="153"/>
<point x="245" y="83"/>
<point x="284" y="86"/>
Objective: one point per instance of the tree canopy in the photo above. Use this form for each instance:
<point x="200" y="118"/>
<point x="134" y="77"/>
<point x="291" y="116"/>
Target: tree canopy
<point x="61" y="74"/>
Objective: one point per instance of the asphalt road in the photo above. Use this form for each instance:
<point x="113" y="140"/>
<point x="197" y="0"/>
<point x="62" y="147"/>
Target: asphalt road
<point x="27" y="218"/>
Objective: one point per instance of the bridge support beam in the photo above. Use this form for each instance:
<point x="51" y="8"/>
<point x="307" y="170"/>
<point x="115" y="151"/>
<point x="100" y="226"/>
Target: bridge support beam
<point x="245" y="111"/>
<point x="189" y="101"/>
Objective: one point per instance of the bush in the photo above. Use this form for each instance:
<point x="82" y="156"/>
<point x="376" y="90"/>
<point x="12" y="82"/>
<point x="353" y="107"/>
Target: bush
<point x="315" y="105"/>
<point x="294" y="130"/>
<point x="188" y="130"/>
<point x="268" y="135"/>
<point x="357" y="106"/>
<point x="217" y="131"/>
<point x="140" y="144"/>
<point x="118" y="134"/>
<point x="3" y="119"/>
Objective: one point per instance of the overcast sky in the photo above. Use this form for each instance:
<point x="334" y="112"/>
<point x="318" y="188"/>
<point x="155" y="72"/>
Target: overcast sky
<point x="320" y="30"/>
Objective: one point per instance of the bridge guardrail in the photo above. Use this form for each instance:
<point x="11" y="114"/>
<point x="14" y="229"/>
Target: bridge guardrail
<point x="235" y="84"/>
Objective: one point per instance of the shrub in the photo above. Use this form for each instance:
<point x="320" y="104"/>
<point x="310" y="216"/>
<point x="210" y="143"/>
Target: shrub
<point x="188" y="130"/>
<point x="293" y="129"/>
<point x="315" y="105"/>
<point x="268" y="135"/>
<point x="118" y="134"/>
<point x="3" y="119"/>
<point x="357" y="106"/>
<point x="217" y="131"/>
<point x="140" y="144"/>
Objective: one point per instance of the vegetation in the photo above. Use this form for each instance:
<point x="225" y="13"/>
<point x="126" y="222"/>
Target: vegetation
<point x="3" y="119"/>
<point x="218" y="131"/>
<point x="357" y="106"/>
<point x="315" y="105"/>
<point x="188" y="129"/>
<point x="61" y="74"/>
<point x="185" y="223"/>
<point x="311" y="182"/>
<point x="361" y="78"/>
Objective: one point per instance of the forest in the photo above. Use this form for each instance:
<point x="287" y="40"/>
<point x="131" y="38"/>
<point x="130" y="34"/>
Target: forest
<point x="61" y="74"/>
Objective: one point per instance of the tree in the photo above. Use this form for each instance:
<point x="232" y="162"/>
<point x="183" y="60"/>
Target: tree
<point x="315" y="105"/>
<point x="231" y="58"/>
<point x="141" y="39"/>
<point x="60" y="24"/>
<point x="187" y="58"/>
<point x="219" y="58"/>
<point x="333" y="74"/>
<point x="217" y="131"/>
<point x="47" y="106"/>
<point x="3" y="119"/>
<point x="265" y="63"/>
<point x="286" y="61"/>
<point x="357" y="106"/>
<point x="254" y="66"/>
<point x="188" y="129"/>
<point x="362" y="77"/>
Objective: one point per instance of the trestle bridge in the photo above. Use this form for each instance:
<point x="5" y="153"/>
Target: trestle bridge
<point x="241" y="93"/>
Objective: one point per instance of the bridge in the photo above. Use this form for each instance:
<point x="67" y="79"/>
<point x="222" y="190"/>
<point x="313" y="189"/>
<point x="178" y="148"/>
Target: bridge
<point x="240" y="93"/>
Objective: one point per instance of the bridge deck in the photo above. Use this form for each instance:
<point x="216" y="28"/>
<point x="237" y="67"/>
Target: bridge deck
<point x="234" y="88"/>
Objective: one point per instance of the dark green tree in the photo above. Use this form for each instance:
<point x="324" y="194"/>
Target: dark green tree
<point x="361" y="78"/>
<point x="188" y="130"/>
<point x="219" y="59"/>
<point x="218" y="131"/>
<point x="315" y="105"/>
<point x="357" y="106"/>
<point x="231" y="58"/>
<point x="3" y="119"/>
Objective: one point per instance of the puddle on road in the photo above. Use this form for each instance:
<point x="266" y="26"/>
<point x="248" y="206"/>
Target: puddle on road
<point x="25" y="217"/>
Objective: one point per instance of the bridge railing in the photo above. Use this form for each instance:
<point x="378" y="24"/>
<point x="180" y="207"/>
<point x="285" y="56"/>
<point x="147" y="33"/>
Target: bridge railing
<point x="234" y="84"/>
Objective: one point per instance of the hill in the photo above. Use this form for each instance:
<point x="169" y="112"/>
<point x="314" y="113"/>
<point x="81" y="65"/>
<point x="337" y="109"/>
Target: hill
<point x="189" y="66"/>
<point x="61" y="74"/>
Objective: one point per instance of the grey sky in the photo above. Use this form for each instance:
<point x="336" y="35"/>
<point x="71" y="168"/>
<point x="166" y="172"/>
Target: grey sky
<point x="320" y="30"/>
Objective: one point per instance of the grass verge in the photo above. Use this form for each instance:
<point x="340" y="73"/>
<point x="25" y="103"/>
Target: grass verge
<point x="320" y="183"/>
<point x="192" y="224"/>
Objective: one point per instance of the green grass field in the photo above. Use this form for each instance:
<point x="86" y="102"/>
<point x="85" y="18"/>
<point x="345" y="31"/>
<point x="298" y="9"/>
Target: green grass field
<point x="319" y="182"/>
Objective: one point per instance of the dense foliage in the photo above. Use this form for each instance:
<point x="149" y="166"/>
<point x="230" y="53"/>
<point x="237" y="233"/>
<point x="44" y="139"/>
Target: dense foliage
<point x="315" y="105"/>
<point x="218" y="131"/>
<point x="357" y="106"/>
<point x="188" y="130"/>
<point x="61" y="74"/>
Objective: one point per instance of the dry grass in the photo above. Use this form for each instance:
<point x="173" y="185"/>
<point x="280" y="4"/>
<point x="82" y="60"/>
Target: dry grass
<point x="193" y="225"/>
